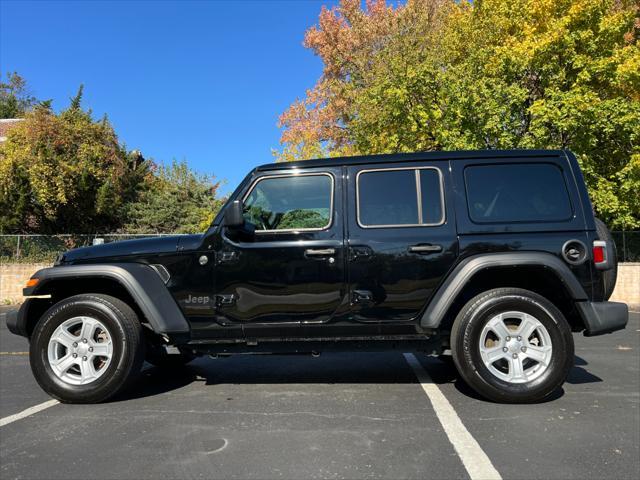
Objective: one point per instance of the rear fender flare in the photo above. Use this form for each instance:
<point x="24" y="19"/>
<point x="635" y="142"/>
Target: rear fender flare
<point x="467" y="268"/>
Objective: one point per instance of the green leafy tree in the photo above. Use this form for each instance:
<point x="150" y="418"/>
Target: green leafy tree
<point x="15" y="98"/>
<point x="303" y="219"/>
<point x="440" y="74"/>
<point x="174" y="200"/>
<point x="64" y="173"/>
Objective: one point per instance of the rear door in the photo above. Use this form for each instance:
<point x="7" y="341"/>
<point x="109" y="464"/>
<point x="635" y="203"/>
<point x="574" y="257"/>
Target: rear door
<point x="401" y="238"/>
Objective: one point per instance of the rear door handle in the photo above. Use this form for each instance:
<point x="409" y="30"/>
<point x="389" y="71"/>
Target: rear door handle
<point x="319" y="252"/>
<point x="425" y="249"/>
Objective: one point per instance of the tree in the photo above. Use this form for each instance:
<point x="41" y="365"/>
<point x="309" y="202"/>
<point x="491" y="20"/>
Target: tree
<point x="373" y="59"/>
<point x="15" y="98"/>
<point x="64" y="173"/>
<point x="174" y="200"/>
<point x="439" y="74"/>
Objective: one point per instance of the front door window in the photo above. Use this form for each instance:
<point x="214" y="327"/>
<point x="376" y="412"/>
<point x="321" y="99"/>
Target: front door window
<point x="290" y="203"/>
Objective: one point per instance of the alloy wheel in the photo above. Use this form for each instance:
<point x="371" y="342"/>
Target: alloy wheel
<point x="80" y="350"/>
<point x="515" y="347"/>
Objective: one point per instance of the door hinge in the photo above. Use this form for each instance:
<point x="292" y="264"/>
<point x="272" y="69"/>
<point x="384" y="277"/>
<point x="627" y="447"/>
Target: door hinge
<point x="226" y="257"/>
<point x="361" y="296"/>
<point x="360" y="252"/>
<point x="225" y="300"/>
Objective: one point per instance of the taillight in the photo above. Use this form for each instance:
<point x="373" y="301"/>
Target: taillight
<point x="600" y="253"/>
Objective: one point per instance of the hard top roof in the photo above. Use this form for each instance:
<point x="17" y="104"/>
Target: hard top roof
<point x="408" y="157"/>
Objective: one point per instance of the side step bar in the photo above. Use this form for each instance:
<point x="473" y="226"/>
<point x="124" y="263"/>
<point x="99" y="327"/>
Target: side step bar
<point x="404" y="343"/>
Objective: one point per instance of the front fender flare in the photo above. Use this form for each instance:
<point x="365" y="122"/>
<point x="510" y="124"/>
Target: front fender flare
<point x="141" y="281"/>
<point x="467" y="268"/>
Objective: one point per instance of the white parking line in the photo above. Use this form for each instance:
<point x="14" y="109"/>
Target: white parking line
<point x="29" y="411"/>
<point x="476" y="462"/>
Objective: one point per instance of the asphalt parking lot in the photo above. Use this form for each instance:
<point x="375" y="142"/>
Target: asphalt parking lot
<point x="361" y="415"/>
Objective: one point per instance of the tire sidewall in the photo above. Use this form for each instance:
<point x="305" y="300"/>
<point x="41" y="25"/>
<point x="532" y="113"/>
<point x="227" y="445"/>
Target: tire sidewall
<point x="477" y="373"/>
<point x="38" y="354"/>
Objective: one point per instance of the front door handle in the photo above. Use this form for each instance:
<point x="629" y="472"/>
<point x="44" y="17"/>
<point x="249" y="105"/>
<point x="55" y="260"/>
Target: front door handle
<point x="425" y="249"/>
<point x="319" y="252"/>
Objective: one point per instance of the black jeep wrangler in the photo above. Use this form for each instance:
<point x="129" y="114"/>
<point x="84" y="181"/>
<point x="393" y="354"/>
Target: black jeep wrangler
<point x="494" y="256"/>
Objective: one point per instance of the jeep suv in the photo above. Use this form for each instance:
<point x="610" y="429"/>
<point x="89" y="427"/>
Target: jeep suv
<point x="493" y="257"/>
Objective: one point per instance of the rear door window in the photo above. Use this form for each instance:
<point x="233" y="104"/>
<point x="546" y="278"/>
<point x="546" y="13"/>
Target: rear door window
<point x="522" y="192"/>
<point x="388" y="198"/>
<point x="400" y="197"/>
<point x="431" y="196"/>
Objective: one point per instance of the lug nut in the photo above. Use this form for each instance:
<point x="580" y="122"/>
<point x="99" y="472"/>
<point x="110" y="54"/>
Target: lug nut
<point x="74" y="355"/>
<point x="91" y="349"/>
<point x="84" y="340"/>
<point x="505" y="349"/>
<point x="515" y="355"/>
<point x="524" y="349"/>
<point x="519" y="338"/>
<point x="85" y="358"/>
<point x="508" y="338"/>
<point x="75" y="344"/>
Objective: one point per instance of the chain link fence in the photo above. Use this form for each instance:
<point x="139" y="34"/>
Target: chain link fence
<point x="45" y="248"/>
<point x="628" y="245"/>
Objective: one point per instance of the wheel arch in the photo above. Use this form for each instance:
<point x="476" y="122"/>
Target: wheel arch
<point x="138" y="285"/>
<point x="538" y="272"/>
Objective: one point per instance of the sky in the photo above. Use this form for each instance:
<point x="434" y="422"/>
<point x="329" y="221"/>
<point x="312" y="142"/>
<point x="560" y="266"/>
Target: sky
<point x="203" y="81"/>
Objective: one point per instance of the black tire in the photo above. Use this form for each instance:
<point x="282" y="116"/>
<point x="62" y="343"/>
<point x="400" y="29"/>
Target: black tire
<point x="128" y="348"/>
<point x="465" y="339"/>
<point x="156" y="355"/>
<point x="609" y="277"/>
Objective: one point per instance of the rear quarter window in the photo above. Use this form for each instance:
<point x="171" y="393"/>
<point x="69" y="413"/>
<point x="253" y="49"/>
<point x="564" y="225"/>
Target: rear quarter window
<point x="522" y="192"/>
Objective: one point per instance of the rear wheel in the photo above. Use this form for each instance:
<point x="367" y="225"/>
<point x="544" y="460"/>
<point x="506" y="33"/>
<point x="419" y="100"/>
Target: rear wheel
<point x="86" y="348"/>
<point x="512" y="345"/>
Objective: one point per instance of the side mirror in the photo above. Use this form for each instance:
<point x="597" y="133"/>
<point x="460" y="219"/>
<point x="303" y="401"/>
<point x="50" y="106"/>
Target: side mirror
<point x="233" y="217"/>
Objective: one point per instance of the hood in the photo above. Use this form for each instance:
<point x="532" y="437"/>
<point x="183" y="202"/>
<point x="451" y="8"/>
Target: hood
<point x="125" y="248"/>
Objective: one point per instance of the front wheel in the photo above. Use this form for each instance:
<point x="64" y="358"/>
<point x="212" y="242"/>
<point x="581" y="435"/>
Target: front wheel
<point x="86" y="348"/>
<point x="512" y="345"/>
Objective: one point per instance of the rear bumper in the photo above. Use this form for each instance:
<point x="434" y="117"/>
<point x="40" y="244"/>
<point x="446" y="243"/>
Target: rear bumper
<point x="603" y="317"/>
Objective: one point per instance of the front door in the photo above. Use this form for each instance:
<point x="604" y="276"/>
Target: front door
<point x="402" y="239"/>
<point x="292" y="269"/>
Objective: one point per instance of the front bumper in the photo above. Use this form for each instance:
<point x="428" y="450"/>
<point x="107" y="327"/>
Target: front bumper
<point x="16" y="323"/>
<point x="603" y="317"/>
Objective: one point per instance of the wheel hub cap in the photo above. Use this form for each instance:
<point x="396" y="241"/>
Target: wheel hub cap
<point x="514" y="346"/>
<point x="81" y="349"/>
